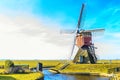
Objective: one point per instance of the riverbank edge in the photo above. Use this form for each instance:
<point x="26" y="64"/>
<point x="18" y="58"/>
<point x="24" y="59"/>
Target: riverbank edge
<point x="103" y="69"/>
<point x="41" y="77"/>
<point x="82" y="73"/>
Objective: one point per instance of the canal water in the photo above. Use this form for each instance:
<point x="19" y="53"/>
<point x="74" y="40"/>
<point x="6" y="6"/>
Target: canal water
<point x="51" y="76"/>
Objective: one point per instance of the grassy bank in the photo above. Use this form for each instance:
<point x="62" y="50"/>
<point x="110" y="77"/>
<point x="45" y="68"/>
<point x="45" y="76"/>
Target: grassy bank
<point x="26" y="76"/>
<point x="115" y="77"/>
<point x="98" y="69"/>
<point x="20" y="76"/>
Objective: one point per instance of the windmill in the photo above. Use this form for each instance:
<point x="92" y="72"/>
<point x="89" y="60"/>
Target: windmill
<point x="83" y="40"/>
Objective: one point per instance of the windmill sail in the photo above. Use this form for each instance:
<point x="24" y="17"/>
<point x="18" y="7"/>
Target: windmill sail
<point x="77" y="30"/>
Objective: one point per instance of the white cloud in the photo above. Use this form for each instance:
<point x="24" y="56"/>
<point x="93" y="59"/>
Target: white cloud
<point x="28" y="37"/>
<point x="107" y="50"/>
<point x="108" y="46"/>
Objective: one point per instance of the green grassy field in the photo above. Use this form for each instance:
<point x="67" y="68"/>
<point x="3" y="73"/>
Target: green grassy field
<point x="33" y="63"/>
<point x="49" y="63"/>
<point x="108" y="61"/>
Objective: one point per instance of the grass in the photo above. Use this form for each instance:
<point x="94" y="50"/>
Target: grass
<point x="22" y="76"/>
<point x="28" y="76"/>
<point x="96" y="68"/>
<point x="7" y="78"/>
<point x="115" y="77"/>
<point x="104" y="66"/>
<point x="33" y="63"/>
<point x="109" y="61"/>
<point x="49" y="63"/>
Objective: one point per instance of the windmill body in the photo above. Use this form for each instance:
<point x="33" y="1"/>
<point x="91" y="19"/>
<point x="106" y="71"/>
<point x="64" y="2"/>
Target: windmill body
<point x="84" y="38"/>
<point x="86" y="52"/>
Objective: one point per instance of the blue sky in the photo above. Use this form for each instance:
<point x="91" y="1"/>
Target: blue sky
<point x="31" y="20"/>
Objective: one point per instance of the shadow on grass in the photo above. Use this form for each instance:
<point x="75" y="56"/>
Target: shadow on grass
<point x="6" y="78"/>
<point x="21" y="73"/>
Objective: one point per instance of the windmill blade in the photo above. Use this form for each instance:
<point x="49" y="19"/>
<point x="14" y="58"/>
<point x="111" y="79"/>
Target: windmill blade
<point x="95" y="30"/>
<point x="73" y="46"/>
<point x="80" y="17"/>
<point x="78" y="25"/>
<point x="77" y="30"/>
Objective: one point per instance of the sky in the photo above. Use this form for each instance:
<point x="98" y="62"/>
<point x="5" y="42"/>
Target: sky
<point x="30" y="29"/>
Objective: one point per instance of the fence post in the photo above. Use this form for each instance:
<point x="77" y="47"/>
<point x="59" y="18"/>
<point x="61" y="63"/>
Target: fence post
<point x="39" y="67"/>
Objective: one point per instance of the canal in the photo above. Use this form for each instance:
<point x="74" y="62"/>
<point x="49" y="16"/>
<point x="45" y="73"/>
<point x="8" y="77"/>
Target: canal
<point x="51" y="76"/>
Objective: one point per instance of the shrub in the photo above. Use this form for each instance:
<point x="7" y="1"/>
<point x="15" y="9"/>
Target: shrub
<point x="9" y="65"/>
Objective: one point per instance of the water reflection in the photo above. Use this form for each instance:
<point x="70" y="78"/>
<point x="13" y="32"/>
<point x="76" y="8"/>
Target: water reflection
<point x="50" y="76"/>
